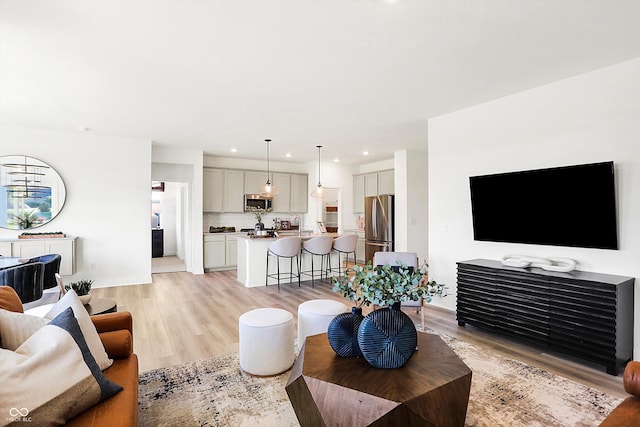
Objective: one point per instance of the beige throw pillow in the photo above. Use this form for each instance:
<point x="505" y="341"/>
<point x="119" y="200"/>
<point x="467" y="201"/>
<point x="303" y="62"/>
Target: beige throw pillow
<point x="15" y="328"/>
<point x="70" y="299"/>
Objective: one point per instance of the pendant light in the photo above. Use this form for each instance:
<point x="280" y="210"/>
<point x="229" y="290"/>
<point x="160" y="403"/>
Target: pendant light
<point x="268" y="190"/>
<point x="318" y="191"/>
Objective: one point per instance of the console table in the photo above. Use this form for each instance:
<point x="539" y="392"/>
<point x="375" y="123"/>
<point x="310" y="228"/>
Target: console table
<point x="582" y="314"/>
<point x="432" y="388"/>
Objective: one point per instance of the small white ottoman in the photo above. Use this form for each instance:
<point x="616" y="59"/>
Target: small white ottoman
<point x="266" y="341"/>
<point x="315" y="315"/>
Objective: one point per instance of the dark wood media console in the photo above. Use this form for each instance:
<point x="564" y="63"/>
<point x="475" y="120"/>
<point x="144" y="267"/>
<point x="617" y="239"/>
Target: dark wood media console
<point x="582" y="314"/>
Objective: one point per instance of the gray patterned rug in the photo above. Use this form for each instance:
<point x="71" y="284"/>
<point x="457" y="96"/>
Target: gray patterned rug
<point x="504" y="392"/>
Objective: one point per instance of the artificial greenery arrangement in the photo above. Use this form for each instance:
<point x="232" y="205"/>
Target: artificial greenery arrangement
<point x="26" y="220"/>
<point x="82" y="287"/>
<point x="259" y="212"/>
<point x="386" y="285"/>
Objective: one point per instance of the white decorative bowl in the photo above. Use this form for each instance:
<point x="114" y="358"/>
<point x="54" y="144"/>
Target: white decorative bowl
<point x="84" y="299"/>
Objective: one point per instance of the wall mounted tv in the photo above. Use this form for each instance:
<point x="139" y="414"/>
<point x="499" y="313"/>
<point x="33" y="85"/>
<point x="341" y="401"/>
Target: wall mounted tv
<point x="563" y="206"/>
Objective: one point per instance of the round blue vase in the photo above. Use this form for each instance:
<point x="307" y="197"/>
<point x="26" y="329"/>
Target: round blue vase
<point x="387" y="337"/>
<point x="343" y="333"/>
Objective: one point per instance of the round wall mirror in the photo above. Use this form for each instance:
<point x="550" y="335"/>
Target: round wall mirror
<point x="31" y="193"/>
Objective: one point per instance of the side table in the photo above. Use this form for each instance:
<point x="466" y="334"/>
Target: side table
<point x="101" y="306"/>
<point x="432" y="388"/>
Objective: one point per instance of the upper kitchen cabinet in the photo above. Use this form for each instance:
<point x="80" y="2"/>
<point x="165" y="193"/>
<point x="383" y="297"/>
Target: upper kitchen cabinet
<point x="386" y="182"/>
<point x="254" y="181"/>
<point x="223" y="190"/>
<point x="282" y="199"/>
<point x="299" y="193"/>
<point x="371" y="184"/>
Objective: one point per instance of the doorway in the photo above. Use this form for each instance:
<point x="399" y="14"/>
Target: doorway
<point x="168" y="213"/>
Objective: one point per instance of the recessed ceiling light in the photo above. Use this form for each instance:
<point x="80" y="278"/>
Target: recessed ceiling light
<point x="83" y="129"/>
<point x="336" y="160"/>
<point x="365" y="153"/>
<point x="288" y="155"/>
<point x="234" y="150"/>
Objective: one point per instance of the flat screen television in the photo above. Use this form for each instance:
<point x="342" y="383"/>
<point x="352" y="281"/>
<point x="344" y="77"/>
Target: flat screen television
<point x="564" y="206"/>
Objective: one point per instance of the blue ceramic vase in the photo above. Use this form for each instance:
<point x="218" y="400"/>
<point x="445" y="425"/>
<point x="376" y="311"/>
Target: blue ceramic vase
<point x="343" y="333"/>
<point x="387" y="337"/>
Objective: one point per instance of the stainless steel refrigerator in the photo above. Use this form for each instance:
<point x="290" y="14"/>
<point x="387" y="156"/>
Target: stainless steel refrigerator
<point x="378" y="226"/>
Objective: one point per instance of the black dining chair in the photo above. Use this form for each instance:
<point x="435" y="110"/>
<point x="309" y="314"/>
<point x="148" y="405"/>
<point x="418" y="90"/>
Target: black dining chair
<point x="51" y="267"/>
<point x="26" y="279"/>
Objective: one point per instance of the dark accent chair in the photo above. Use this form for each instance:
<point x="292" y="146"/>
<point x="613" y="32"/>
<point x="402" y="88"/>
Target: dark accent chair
<point x="51" y="267"/>
<point x="26" y="279"/>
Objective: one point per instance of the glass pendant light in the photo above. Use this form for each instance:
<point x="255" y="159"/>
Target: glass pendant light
<point x="318" y="192"/>
<point x="268" y="190"/>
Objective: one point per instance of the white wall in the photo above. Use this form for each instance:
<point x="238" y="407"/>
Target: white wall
<point x="184" y="165"/>
<point x="107" y="181"/>
<point x="589" y="118"/>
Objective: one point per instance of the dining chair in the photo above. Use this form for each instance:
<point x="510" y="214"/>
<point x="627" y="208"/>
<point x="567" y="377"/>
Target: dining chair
<point x="26" y="279"/>
<point x="51" y="268"/>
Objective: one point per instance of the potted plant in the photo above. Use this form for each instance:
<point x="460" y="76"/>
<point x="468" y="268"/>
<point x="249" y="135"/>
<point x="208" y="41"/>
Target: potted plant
<point x="82" y="288"/>
<point x="259" y="213"/>
<point x="388" y="330"/>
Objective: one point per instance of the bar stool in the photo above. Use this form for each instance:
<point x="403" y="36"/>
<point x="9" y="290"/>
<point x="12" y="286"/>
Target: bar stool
<point x="285" y="247"/>
<point x="346" y="244"/>
<point x="318" y="246"/>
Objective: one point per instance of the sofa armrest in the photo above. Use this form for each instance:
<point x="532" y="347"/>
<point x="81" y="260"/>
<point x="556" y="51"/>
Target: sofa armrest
<point x="632" y="378"/>
<point x="113" y="321"/>
<point x="117" y="343"/>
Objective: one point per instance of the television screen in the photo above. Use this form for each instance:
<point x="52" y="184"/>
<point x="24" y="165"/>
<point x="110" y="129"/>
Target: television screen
<point x="564" y="206"/>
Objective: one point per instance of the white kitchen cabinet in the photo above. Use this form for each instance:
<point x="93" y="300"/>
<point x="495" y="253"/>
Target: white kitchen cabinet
<point x="31" y="248"/>
<point x="220" y="251"/>
<point x="358" y="193"/>
<point x="360" y="247"/>
<point x="299" y="193"/>
<point x="215" y="251"/>
<point x="213" y="190"/>
<point x="223" y="190"/>
<point x="253" y="181"/>
<point x="282" y="200"/>
<point x="233" y="191"/>
<point x="371" y="184"/>
<point x="386" y="182"/>
<point x="231" y="247"/>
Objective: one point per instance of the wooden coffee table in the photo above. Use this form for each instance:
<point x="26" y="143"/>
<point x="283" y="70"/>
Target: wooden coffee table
<point x="328" y="390"/>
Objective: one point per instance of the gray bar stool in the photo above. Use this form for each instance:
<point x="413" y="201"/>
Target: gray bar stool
<point x="346" y="244"/>
<point x="284" y="247"/>
<point x="318" y="246"/>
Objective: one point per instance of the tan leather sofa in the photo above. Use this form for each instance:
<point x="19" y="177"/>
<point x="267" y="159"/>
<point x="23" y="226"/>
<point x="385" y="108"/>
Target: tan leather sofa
<point x="115" y="330"/>
<point x="627" y="414"/>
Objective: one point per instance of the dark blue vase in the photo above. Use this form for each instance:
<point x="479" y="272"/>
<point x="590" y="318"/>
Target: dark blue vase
<point x="387" y="337"/>
<point x="343" y="333"/>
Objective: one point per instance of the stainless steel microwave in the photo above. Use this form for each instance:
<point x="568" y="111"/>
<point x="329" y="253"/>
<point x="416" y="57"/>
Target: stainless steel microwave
<point x="256" y="201"/>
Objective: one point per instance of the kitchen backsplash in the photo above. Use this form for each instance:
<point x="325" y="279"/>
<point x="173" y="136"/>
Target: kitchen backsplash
<point x="243" y="220"/>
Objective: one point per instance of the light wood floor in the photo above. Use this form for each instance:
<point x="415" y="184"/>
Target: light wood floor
<point x="182" y="317"/>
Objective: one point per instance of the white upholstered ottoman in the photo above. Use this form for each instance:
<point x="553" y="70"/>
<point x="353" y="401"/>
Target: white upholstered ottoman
<point x="315" y="315"/>
<point x="266" y="341"/>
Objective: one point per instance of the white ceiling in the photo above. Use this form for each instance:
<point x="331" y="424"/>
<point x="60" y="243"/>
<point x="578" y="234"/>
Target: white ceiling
<point x="350" y="75"/>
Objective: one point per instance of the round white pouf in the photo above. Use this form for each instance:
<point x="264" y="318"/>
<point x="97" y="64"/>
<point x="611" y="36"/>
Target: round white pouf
<point x="266" y="341"/>
<point x="315" y="315"/>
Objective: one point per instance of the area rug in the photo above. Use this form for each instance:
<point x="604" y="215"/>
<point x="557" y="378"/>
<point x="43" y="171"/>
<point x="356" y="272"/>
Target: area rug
<point x="504" y="392"/>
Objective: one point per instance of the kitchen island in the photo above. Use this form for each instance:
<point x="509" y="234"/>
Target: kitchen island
<point x="252" y="259"/>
